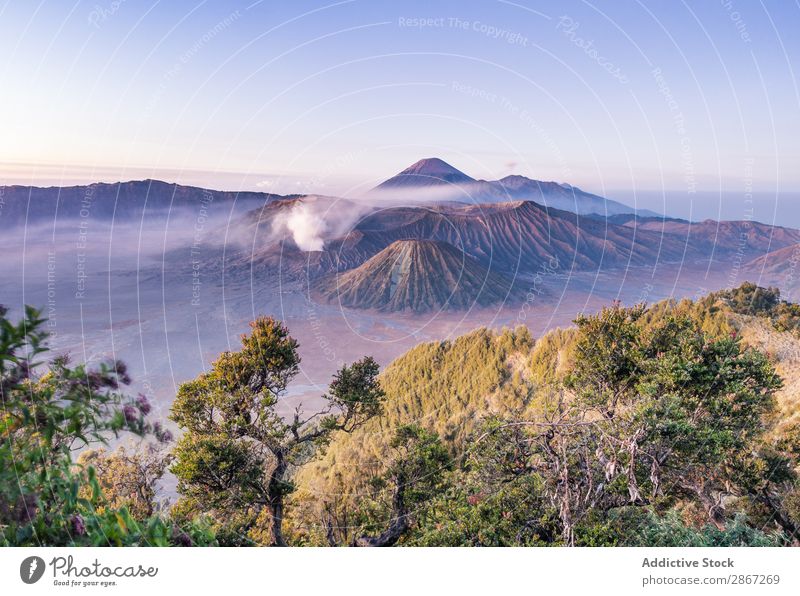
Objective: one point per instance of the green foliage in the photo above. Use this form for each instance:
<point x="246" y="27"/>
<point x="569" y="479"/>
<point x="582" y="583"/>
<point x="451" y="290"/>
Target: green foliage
<point x="632" y="526"/>
<point x="664" y="413"/>
<point x="638" y="427"/>
<point x="551" y="357"/>
<point x="380" y="505"/>
<point x="45" y="499"/>
<point x="445" y="385"/>
<point x="494" y="499"/>
<point x="750" y="299"/>
<point x="592" y="435"/>
<point x="356" y="393"/>
<point x="442" y="387"/>
<point x="236" y="459"/>
<point x="128" y="477"/>
<point x="418" y="461"/>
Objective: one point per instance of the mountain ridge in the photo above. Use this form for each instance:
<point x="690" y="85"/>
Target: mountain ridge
<point x="453" y="184"/>
<point x="106" y="200"/>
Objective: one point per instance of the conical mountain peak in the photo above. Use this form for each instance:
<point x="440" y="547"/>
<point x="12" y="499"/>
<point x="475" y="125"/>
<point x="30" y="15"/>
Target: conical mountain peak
<point x="427" y="172"/>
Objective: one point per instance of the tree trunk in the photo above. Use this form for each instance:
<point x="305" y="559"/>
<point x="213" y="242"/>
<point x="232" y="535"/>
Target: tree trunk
<point x="792" y="531"/>
<point x="714" y="508"/>
<point x="275" y="500"/>
<point x="565" y="510"/>
<point x="399" y="524"/>
<point x="633" y="486"/>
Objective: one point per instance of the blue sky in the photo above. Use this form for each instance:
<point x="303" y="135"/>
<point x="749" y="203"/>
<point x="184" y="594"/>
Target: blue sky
<point x="334" y="97"/>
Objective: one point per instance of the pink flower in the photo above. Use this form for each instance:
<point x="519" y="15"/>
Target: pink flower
<point x="475" y="499"/>
<point x="78" y="525"/>
<point x="131" y="414"/>
<point x="143" y="404"/>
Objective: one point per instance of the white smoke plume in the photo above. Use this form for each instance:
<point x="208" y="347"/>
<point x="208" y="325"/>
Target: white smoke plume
<point x="314" y="219"/>
<point x="306" y="226"/>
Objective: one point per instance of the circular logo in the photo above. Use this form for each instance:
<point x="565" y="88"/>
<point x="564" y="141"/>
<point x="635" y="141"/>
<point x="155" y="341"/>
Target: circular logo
<point x="31" y="570"/>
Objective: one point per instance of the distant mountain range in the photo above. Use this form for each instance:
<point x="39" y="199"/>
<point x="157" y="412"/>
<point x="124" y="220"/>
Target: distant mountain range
<point x="495" y="243"/>
<point x="123" y="200"/>
<point x="449" y="183"/>
<point x="451" y="252"/>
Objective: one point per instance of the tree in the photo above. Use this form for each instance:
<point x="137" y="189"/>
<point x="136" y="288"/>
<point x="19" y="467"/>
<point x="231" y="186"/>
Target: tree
<point x="494" y="498"/>
<point x="238" y="452"/>
<point x="128" y="477"/>
<point x="654" y="412"/>
<point x="750" y="299"/>
<point x="413" y="476"/>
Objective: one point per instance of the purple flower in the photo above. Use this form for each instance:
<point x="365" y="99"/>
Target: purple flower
<point x="131" y="414"/>
<point x="180" y="538"/>
<point x="162" y="434"/>
<point x="78" y="525"/>
<point x="143" y="404"/>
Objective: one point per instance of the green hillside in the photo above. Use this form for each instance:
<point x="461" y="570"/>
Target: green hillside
<point x="458" y="389"/>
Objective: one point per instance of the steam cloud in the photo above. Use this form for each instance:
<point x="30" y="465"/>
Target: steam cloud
<point x="306" y="225"/>
<point x="315" y="219"/>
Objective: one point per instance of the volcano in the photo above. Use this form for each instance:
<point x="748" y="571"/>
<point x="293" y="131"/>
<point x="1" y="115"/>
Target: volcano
<point x="431" y="171"/>
<point x="419" y="276"/>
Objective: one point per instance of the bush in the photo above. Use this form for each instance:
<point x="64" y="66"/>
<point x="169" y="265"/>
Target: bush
<point x="45" y="499"/>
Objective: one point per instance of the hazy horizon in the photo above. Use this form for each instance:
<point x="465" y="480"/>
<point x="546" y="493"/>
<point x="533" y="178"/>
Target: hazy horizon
<point x="775" y="208"/>
<point x="334" y="98"/>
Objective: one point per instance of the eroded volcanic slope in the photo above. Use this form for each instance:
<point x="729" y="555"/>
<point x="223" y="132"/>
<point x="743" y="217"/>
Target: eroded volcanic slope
<point x="749" y="238"/>
<point x="418" y="276"/>
<point x="780" y="267"/>
<point x="519" y="238"/>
